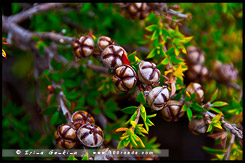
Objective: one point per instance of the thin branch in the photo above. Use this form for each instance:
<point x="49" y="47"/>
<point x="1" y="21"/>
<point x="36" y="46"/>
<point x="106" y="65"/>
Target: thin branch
<point x="176" y="13"/>
<point x="64" y="108"/>
<point x="34" y="10"/>
<point x="96" y="68"/>
<point x="137" y="116"/>
<point x="54" y="37"/>
<point x="229" y="148"/>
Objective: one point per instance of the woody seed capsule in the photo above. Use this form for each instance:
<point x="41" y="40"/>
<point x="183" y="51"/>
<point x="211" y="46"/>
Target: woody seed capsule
<point x="112" y="56"/>
<point x="83" y="46"/>
<point x="148" y="73"/>
<point x="172" y="111"/>
<point x="196" y="88"/>
<point x="124" y="78"/>
<point x="158" y="98"/>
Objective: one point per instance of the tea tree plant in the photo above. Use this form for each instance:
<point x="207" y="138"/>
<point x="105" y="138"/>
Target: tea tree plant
<point x="105" y="84"/>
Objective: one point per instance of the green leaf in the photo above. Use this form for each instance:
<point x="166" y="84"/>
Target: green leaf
<point x="219" y="104"/>
<point x="143" y="112"/>
<point x="72" y="157"/>
<point x="214" y="95"/>
<point x="215" y="110"/>
<point x="141" y="98"/>
<point x="151" y="27"/>
<point x="110" y="115"/>
<point x="85" y="157"/>
<point x="56" y="77"/>
<point x="218" y="125"/>
<point x="210" y="128"/>
<point x="50" y="110"/>
<point x="165" y="61"/>
<point x="197" y="107"/>
<point x="155" y="35"/>
<point x="72" y="95"/>
<point x="184" y="107"/>
<point x="133" y="141"/>
<point x="216" y="118"/>
<point x="171" y="52"/>
<point x="165" y="32"/>
<point x="121" y="144"/>
<point x="189" y="114"/>
<point x="214" y="151"/>
<point x="71" y="83"/>
<point x="151" y="116"/>
<point x="139" y="141"/>
<point x="130" y="109"/>
<point x="54" y="118"/>
<point x="56" y="65"/>
<point x="133" y="123"/>
<point x="152" y="53"/>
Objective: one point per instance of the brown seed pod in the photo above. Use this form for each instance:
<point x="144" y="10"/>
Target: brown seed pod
<point x="195" y="55"/>
<point x="103" y="154"/>
<point x="90" y="135"/>
<point x="224" y="73"/>
<point x="80" y="118"/>
<point x="124" y="78"/>
<point x="83" y="46"/>
<point x="103" y="42"/>
<point x="172" y="111"/>
<point x="197" y="73"/>
<point x="112" y="56"/>
<point x="198" y="126"/>
<point x="158" y="98"/>
<point x="148" y="73"/>
<point x="66" y="136"/>
<point x="196" y="88"/>
<point x="139" y="10"/>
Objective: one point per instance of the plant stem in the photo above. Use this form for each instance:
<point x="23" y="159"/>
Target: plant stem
<point x="229" y="148"/>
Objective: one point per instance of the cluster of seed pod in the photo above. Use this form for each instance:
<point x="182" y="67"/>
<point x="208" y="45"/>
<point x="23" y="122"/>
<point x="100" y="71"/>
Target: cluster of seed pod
<point x="197" y="126"/>
<point x="195" y="58"/>
<point x="224" y="73"/>
<point x="82" y="130"/>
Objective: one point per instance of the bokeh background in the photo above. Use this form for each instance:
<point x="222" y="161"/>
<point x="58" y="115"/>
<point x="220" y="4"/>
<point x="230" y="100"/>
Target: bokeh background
<point x="217" y="29"/>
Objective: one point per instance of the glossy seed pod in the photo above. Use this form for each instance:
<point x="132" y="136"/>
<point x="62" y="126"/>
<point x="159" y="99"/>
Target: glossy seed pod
<point x="196" y="88"/>
<point x="80" y="118"/>
<point x="197" y="126"/>
<point x="197" y="73"/>
<point x="224" y="73"/>
<point x="83" y="46"/>
<point x="158" y="98"/>
<point x="90" y="135"/>
<point x="139" y="10"/>
<point x="103" y="154"/>
<point x="103" y="42"/>
<point x="66" y="136"/>
<point x="124" y="78"/>
<point x="148" y="72"/>
<point x="195" y="55"/>
<point x="172" y="111"/>
<point x="112" y="56"/>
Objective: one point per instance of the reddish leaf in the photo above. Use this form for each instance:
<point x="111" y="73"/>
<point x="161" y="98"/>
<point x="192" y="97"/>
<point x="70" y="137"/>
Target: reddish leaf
<point x="125" y="59"/>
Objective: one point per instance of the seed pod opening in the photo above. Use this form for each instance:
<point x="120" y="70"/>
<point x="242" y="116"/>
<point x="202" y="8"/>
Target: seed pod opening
<point x="139" y="10"/>
<point x="148" y="73"/>
<point x="66" y="136"/>
<point x="112" y="56"/>
<point x="80" y="118"/>
<point x="103" y="42"/>
<point x="83" y="46"/>
<point x="198" y="73"/>
<point x="124" y="78"/>
<point x="158" y="98"/>
<point x="90" y="135"/>
<point x="172" y="111"/>
<point x="195" y="55"/>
